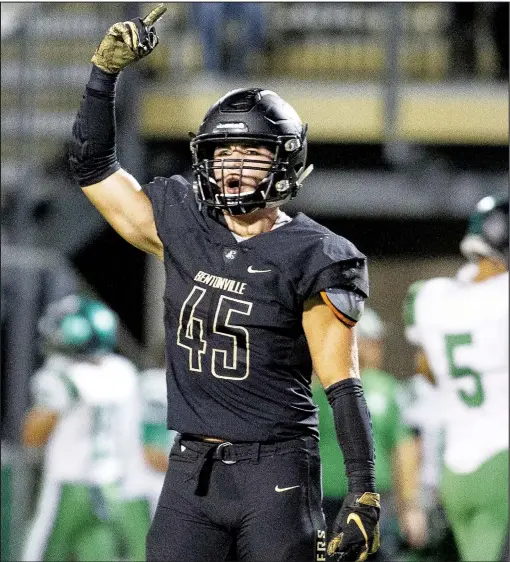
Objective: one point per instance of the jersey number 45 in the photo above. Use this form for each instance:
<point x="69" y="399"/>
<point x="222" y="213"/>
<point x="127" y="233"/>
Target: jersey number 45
<point x="230" y="356"/>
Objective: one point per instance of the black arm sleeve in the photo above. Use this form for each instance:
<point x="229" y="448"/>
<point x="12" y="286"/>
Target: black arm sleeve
<point x="354" y="432"/>
<point x="92" y="154"/>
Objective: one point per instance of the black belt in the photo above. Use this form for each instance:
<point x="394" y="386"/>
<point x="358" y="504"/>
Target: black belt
<point x="230" y="453"/>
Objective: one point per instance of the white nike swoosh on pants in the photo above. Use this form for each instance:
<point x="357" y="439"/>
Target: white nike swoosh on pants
<point x="278" y="489"/>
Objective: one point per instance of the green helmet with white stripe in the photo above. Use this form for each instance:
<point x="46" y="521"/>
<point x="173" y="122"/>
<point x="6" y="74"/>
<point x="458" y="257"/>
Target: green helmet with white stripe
<point x="487" y="233"/>
<point x="78" y="325"/>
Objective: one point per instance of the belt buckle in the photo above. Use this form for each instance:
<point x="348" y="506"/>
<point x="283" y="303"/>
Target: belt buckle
<point x="222" y="446"/>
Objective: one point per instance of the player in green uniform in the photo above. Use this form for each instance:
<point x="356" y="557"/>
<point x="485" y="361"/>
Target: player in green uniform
<point x="85" y="413"/>
<point x="147" y="474"/>
<point x="460" y="328"/>
<point x="395" y="445"/>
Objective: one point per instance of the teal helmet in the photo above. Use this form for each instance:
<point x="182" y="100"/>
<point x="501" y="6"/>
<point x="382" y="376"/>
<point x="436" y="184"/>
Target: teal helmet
<point x="78" y="325"/>
<point x="487" y="232"/>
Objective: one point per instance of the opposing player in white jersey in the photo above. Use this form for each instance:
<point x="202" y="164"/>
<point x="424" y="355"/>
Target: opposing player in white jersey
<point x="461" y="327"/>
<point x="417" y="398"/>
<point x="146" y="472"/>
<point x="157" y="438"/>
<point x="85" y="412"/>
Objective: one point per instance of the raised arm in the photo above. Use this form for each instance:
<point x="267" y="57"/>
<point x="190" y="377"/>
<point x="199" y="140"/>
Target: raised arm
<point x="334" y="353"/>
<point x="121" y="201"/>
<point x="116" y="194"/>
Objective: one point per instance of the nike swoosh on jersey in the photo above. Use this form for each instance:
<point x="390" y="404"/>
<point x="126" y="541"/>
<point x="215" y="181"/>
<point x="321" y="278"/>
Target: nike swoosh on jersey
<point x="251" y="270"/>
<point x="278" y="489"/>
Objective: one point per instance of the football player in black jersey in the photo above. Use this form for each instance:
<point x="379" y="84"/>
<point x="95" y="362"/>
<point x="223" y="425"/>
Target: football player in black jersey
<point x="253" y="299"/>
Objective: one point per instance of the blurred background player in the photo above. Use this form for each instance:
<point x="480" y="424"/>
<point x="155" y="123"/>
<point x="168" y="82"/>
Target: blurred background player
<point x="147" y="471"/>
<point x="461" y="327"/>
<point x="84" y="411"/>
<point x="418" y="398"/>
<point x="157" y="438"/>
<point x="396" y="469"/>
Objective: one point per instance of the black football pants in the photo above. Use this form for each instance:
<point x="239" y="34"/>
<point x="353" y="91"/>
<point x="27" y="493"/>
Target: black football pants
<point x="263" y="498"/>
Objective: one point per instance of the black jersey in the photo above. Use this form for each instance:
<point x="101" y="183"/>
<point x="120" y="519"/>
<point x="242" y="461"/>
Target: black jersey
<point x="238" y="365"/>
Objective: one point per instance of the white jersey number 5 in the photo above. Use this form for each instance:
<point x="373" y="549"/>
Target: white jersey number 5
<point x="476" y="396"/>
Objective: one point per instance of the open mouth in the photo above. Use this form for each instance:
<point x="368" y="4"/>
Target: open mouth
<point x="233" y="186"/>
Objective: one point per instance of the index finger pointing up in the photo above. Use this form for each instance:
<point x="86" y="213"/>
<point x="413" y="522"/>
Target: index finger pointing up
<point x="154" y="16"/>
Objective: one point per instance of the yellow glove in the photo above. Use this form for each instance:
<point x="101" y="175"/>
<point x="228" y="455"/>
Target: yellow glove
<point x="127" y="41"/>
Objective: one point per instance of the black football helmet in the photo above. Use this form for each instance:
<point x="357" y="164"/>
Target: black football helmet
<point x="252" y="117"/>
<point x="487" y="232"/>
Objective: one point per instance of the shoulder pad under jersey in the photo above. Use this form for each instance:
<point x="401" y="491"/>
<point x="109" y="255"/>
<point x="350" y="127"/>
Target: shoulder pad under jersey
<point x="167" y="195"/>
<point x="415" y="304"/>
<point x="53" y="390"/>
<point x="328" y="261"/>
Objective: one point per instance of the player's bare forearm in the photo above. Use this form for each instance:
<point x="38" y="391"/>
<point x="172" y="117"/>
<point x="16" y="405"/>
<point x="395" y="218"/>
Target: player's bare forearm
<point x="332" y="344"/>
<point x="121" y="201"/>
<point x="407" y="458"/>
<point x="37" y="426"/>
<point x="406" y="462"/>
<point x="155" y="458"/>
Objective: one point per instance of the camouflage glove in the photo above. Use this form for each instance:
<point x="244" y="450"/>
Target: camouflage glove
<point x="127" y="42"/>
<point x="356" y="528"/>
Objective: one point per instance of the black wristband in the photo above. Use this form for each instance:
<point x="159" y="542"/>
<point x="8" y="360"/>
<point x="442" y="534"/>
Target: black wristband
<point x="102" y="81"/>
<point x="354" y="433"/>
<point x="92" y="152"/>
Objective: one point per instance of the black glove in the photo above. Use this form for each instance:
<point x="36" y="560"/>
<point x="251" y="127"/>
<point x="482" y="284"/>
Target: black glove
<point x="356" y="528"/>
<point x="127" y="42"/>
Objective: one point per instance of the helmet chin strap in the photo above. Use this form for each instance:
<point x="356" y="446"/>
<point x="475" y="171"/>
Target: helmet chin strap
<point x="303" y="175"/>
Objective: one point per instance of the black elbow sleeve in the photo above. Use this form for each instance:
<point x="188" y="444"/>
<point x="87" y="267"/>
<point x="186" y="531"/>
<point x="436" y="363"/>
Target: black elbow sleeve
<point x="92" y="152"/>
<point x="354" y="432"/>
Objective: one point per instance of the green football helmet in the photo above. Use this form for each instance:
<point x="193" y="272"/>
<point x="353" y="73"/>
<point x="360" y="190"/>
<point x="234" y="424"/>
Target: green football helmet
<point x="487" y="232"/>
<point x="78" y="325"/>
